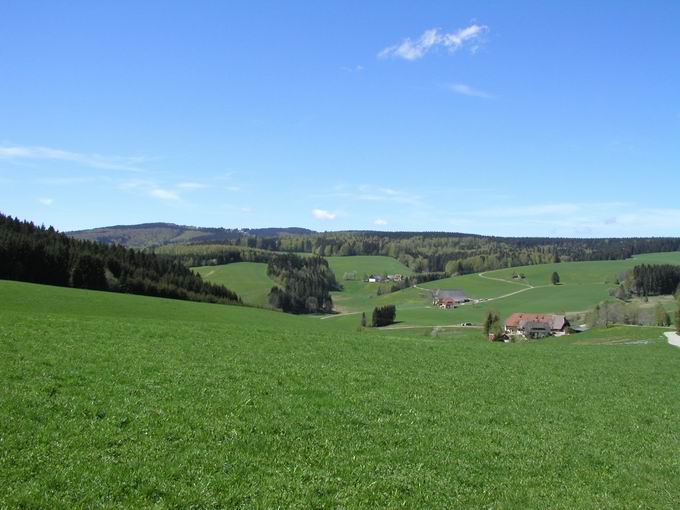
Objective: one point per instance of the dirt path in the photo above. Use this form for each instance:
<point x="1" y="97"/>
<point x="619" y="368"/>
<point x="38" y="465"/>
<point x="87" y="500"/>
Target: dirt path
<point x="483" y="275"/>
<point x="338" y="315"/>
<point x="673" y="338"/>
<point x="391" y="328"/>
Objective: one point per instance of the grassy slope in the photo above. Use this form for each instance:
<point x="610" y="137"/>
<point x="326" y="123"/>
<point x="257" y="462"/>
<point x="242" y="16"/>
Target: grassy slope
<point x="248" y="279"/>
<point x="115" y="400"/>
<point x="584" y="284"/>
<point x="358" y="295"/>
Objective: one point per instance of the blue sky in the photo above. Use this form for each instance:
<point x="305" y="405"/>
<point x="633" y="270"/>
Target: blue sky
<point x="508" y="118"/>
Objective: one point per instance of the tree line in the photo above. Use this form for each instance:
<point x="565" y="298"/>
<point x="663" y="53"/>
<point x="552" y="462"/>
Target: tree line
<point x="655" y="279"/>
<point x="305" y="284"/>
<point x="42" y="255"/>
<point x="446" y="252"/>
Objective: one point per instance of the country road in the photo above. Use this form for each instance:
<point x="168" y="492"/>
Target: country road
<point x="673" y="338"/>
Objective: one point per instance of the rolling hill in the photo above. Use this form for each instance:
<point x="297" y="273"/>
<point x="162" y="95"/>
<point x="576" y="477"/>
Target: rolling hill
<point x="129" y="401"/>
<point x="248" y="279"/>
<point x="148" y="235"/>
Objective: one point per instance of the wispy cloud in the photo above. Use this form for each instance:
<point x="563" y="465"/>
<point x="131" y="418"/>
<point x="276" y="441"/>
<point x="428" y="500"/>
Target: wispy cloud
<point x="164" y="194"/>
<point x="366" y="193"/>
<point x="433" y="38"/>
<point x="46" y="201"/>
<point x="322" y="214"/>
<point x="126" y="164"/>
<point x="380" y="222"/>
<point x="467" y="90"/>
<point x="189" y="185"/>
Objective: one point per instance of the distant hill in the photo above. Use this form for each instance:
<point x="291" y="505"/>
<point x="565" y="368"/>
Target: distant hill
<point x="147" y="235"/>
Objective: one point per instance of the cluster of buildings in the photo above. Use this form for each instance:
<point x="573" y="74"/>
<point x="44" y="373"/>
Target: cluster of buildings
<point x="529" y="325"/>
<point x="536" y="325"/>
<point x="378" y="278"/>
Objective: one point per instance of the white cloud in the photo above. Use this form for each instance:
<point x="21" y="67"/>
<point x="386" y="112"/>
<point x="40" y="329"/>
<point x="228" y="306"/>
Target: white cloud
<point x="322" y="214"/>
<point x="466" y="90"/>
<point x="164" y="194"/>
<point x="127" y="164"/>
<point x="433" y="38"/>
<point x="380" y="221"/>
<point x="46" y="201"/>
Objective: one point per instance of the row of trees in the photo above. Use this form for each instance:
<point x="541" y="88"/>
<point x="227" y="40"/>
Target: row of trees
<point x="43" y="255"/>
<point x="607" y="313"/>
<point x="305" y="284"/>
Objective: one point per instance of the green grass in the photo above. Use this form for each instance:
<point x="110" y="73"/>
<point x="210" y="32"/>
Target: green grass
<point x="120" y="401"/>
<point x="583" y="285"/>
<point x="248" y="279"/>
<point x="359" y="295"/>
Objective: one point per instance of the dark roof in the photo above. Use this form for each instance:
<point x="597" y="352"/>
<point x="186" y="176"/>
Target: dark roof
<point x="455" y="294"/>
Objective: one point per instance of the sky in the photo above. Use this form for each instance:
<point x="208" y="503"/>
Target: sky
<point x="502" y="118"/>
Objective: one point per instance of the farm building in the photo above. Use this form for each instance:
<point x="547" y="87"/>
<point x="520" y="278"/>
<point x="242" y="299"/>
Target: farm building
<point x="376" y="278"/>
<point x="536" y="325"/>
<point x="449" y="298"/>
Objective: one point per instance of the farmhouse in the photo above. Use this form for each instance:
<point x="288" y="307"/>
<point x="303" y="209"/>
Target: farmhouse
<point x="376" y="278"/>
<point x="536" y="325"/>
<point x="449" y="298"/>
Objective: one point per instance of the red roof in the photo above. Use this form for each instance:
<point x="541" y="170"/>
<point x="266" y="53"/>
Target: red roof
<point x="517" y="319"/>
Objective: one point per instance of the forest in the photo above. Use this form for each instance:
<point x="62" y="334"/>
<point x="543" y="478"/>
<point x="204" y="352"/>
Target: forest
<point x="654" y="279"/>
<point x="305" y="284"/>
<point x="42" y="255"/>
<point x="425" y="251"/>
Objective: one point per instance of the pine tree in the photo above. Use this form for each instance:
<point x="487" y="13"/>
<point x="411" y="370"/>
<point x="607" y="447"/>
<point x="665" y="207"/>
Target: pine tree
<point x="555" y="278"/>
<point x="363" y="319"/>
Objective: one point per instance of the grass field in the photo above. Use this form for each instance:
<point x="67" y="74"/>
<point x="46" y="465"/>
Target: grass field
<point x="110" y="400"/>
<point x="248" y="279"/>
<point x="583" y="285"/>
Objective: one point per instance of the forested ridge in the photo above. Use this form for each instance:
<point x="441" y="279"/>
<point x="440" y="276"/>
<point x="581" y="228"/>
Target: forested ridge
<point x="425" y="252"/>
<point x="42" y="255"/>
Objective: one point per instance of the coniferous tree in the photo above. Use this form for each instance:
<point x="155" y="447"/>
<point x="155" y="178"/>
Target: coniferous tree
<point x="43" y="255"/>
<point x="384" y="315"/>
<point x="555" y="278"/>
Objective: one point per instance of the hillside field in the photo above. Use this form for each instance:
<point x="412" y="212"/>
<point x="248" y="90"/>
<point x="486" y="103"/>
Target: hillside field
<point x="583" y="285"/>
<point x="112" y="400"/>
<point x="248" y="279"/>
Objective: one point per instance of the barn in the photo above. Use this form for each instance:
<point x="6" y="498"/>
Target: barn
<point x="449" y="298"/>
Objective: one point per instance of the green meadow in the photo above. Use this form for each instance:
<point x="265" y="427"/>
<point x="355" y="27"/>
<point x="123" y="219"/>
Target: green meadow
<point x="248" y="279"/>
<point x="582" y="286"/>
<point x="120" y="401"/>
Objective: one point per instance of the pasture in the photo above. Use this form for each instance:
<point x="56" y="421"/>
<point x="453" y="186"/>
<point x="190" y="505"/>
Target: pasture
<point x="583" y="285"/>
<point x="111" y="400"/>
<point x="248" y="279"/>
